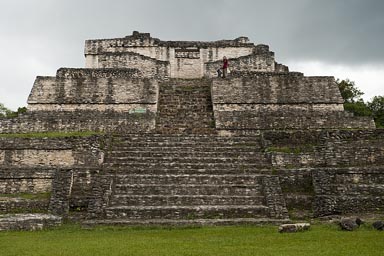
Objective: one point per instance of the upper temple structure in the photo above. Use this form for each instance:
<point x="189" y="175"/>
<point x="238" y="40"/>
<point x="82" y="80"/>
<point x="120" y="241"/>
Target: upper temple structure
<point x="125" y="80"/>
<point x="173" y="144"/>
<point x="178" y="59"/>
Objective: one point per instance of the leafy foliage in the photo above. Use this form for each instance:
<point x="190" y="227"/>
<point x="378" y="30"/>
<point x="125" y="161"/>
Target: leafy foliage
<point x="349" y="91"/>
<point x="377" y="108"/>
<point x="4" y="112"/>
<point x="355" y="104"/>
<point x="7" y="113"/>
<point x="358" y="108"/>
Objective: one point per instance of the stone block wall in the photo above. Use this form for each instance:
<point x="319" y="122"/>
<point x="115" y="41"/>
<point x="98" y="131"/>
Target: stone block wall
<point x="328" y="172"/>
<point x="29" y="165"/>
<point x="259" y="100"/>
<point x="318" y="149"/>
<point x="89" y="100"/>
<point x="80" y="121"/>
<point x="348" y="190"/>
<point x="149" y="67"/>
<point x="93" y="86"/>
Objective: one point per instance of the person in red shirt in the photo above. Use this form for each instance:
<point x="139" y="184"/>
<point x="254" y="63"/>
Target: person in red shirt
<point x="225" y="66"/>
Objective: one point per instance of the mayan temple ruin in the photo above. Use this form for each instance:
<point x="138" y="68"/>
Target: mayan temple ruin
<point x="173" y="144"/>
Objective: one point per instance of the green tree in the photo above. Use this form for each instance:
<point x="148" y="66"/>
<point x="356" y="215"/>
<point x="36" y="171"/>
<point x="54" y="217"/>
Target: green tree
<point x="4" y="112"/>
<point x="358" y="108"/>
<point x="7" y="113"/>
<point x="377" y="108"/>
<point x="349" y="91"/>
<point x="352" y="98"/>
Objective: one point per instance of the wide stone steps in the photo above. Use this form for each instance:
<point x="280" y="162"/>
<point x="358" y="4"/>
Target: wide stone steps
<point x="189" y="179"/>
<point x="186" y="154"/>
<point x="189" y="143"/>
<point x="186" y="222"/>
<point x="188" y="212"/>
<point x="142" y="168"/>
<point x="184" y="108"/>
<point x="173" y="189"/>
<point x="189" y="146"/>
<point x="192" y="137"/>
<point x="179" y="200"/>
<point x="190" y="160"/>
<point x="240" y="150"/>
<point x="197" y="167"/>
<point x="186" y="179"/>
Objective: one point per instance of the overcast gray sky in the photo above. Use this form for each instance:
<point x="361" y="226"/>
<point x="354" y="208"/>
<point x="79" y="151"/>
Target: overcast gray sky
<point x="343" y="38"/>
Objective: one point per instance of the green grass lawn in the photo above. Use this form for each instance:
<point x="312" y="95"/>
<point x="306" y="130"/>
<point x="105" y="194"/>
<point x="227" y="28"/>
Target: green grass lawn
<point x="243" y="240"/>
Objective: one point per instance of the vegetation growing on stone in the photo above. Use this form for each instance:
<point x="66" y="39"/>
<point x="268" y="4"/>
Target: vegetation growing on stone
<point x="355" y="104"/>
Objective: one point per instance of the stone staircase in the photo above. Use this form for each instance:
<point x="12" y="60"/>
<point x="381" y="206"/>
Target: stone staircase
<point x="186" y="179"/>
<point x="185" y="106"/>
<point x="184" y="173"/>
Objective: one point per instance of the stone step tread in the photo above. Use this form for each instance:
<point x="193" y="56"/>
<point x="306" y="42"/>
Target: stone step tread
<point x="183" y="159"/>
<point x="194" y="222"/>
<point x="187" y="150"/>
<point x="173" y="222"/>
<point x="153" y="200"/>
<point x="158" y="185"/>
<point x="186" y="196"/>
<point x="192" y="175"/>
<point x="156" y="170"/>
<point x="202" y="166"/>
<point x="187" y="138"/>
<point x="192" y="136"/>
<point x="192" y="207"/>
<point x="187" y="147"/>
<point x="164" y="152"/>
<point x="192" y="189"/>
<point x="188" y="178"/>
<point x="188" y="212"/>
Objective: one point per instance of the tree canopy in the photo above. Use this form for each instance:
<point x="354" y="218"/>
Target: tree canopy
<point x="7" y="113"/>
<point x="355" y="104"/>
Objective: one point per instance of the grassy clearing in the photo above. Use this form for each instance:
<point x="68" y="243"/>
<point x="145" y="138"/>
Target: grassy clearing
<point x="48" y="134"/>
<point x="243" y="240"/>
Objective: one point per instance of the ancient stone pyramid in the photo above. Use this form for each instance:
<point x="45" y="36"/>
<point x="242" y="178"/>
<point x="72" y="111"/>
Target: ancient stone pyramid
<point x="178" y="145"/>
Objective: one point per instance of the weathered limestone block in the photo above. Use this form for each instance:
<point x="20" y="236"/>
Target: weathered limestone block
<point x="33" y="157"/>
<point x="262" y="101"/>
<point x="29" y="222"/>
<point x="61" y="192"/>
<point x="293" y="228"/>
<point x="94" y="86"/>
<point x="25" y="185"/>
<point x="149" y="67"/>
<point x="348" y="190"/>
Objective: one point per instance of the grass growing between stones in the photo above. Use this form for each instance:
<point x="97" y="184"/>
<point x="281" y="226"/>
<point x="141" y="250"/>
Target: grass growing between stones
<point x="29" y="196"/>
<point x="240" y="240"/>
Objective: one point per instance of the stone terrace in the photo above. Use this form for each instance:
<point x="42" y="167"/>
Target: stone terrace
<point x="180" y="146"/>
